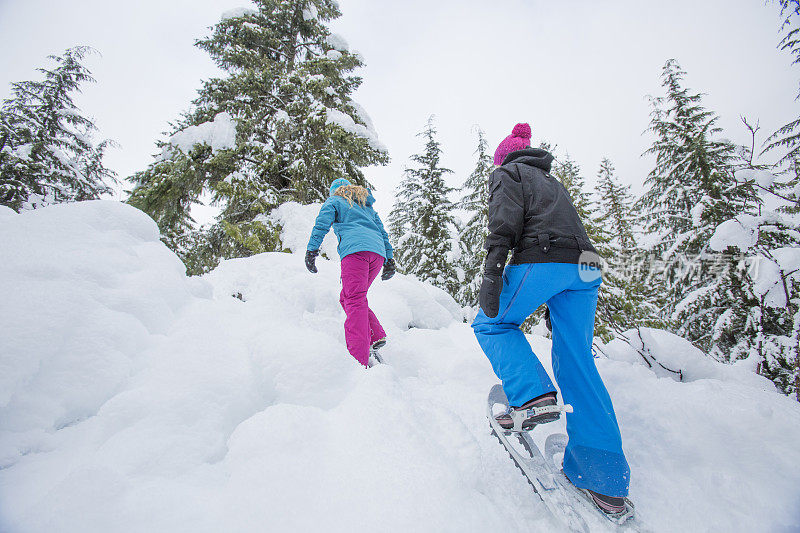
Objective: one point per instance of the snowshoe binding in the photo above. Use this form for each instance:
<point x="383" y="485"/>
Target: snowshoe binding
<point x="540" y="410"/>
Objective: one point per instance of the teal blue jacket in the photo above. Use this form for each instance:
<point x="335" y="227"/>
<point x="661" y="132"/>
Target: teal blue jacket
<point x="358" y="228"/>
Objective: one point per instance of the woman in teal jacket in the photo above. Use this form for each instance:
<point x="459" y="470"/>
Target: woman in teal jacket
<point x="364" y="249"/>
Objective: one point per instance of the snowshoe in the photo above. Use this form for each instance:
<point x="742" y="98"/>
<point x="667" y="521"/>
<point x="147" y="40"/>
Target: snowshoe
<point x="572" y="507"/>
<point x="374" y="358"/>
<point x="616" y="509"/>
<point x="532" y="464"/>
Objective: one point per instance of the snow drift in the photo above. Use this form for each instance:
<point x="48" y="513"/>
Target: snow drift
<point x="133" y="398"/>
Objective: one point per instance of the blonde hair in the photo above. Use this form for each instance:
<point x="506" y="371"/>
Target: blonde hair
<point x="353" y="193"/>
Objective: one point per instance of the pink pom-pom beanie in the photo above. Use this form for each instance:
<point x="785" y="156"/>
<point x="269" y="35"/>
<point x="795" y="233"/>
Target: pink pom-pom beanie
<point x="519" y="139"/>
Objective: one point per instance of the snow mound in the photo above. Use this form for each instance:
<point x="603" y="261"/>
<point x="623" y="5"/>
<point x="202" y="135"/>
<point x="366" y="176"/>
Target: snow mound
<point x="6" y="212"/>
<point x="668" y="355"/>
<point x="405" y="303"/>
<point x="134" y="402"/>
<point x="219" y="134"/>
<point x="296" y="221"/>
<point x="85" y="287"/>
<point x="411" y="304"/>
<point x="133" y="398"/>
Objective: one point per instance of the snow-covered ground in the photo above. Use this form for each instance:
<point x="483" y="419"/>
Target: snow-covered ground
<point x="133" y="398"/>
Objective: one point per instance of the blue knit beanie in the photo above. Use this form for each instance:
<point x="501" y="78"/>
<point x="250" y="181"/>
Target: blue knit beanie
<point x="338" y="182"/>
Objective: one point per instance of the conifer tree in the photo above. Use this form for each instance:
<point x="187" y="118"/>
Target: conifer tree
<point x="47" y="154"/>
<point x="568" y="172"/>
<point x="288" y="91"/>
<point x="788" y="136"/>
<point x="690" y="191"/>
<point x="473" y="235"/>
<point x="626" y="297"/>
<point x="615" y="207"/>
<point x="421" y="221"/>
<point x="777" y="344"/>
<point x="763" y="323"/>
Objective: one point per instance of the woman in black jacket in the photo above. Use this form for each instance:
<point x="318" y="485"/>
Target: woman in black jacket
<point x="553" y="262"/>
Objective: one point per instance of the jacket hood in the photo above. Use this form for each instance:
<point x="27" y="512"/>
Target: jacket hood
<point x="535" y="157"/>
<point x="341" y="182"/>
<point x="353" y="193"/>
<point x="338" y="182"/>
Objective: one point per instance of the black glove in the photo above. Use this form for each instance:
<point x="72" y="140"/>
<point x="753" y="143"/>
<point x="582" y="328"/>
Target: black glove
<point x="492" y="280"/>
<point x="490" y="295"/>
<point x="311" y="256"/>
<point x="547" y="319"/>
<point x="389" y="268"/>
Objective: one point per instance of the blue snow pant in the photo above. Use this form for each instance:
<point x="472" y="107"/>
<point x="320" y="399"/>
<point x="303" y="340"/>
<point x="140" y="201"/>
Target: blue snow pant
<point x="593" y="458"/>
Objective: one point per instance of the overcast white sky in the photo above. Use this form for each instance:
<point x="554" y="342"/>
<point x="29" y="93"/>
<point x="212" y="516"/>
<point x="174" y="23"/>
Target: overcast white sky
<point x="577" y="70"/>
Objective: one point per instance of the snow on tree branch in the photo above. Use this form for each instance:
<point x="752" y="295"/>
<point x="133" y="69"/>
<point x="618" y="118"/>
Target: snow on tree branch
<point x="346" y="122"/>
<point x="219" y="134"/>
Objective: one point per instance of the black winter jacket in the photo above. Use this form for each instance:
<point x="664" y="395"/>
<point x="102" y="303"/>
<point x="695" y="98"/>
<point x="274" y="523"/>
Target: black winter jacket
<point x="531" y="213"/>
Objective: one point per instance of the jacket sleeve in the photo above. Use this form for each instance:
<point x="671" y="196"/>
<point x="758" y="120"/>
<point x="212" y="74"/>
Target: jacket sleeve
<point x="325" y="219"/>
<point x="389" y="249"/>
<point x="506" y="209"/>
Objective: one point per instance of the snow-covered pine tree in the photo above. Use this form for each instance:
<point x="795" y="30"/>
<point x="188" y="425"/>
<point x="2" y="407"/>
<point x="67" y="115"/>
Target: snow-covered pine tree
<point x="472" y="236"/>
<point x="789" y="189"/>
<point x="568" y="172"/>
<point x="47" y="154"/>
<point x="422" y="221"/>
<point x="281" y="126"/>
<point x="625" y="300"/>
<point x="764" y="323"/>
<point x="778" y="365"/>
<point x="788" y="137"/>
<point x="691" y="190"/>
<point x="615" y="208"/>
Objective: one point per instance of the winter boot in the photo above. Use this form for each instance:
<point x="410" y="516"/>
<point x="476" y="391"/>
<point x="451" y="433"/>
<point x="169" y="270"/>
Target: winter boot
<point x="615" y="508"/>
<point x="611" y="505"/>
<point x="378" y="344"/>
<point x="533" y="418"/>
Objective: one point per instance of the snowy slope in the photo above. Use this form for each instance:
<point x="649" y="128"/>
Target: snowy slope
<point x="133" y="398"/>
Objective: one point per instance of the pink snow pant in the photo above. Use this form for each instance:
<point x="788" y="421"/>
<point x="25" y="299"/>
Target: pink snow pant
<point x="361" y="327"/>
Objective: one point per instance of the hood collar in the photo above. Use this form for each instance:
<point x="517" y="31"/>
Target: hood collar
<point x="535" y="157"/>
